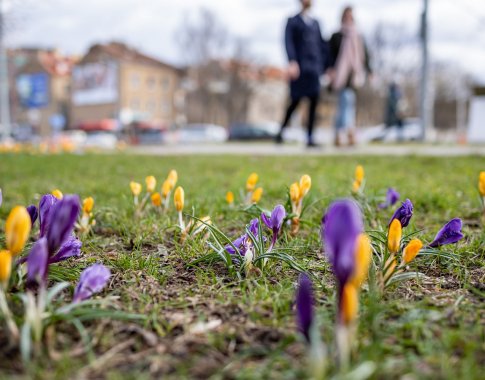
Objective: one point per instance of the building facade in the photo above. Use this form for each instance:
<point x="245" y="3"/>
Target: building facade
<point x="114" y="81"/>
<point x="39" y="88"/>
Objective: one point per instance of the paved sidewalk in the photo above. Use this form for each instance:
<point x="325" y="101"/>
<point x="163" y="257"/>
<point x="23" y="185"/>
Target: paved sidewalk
<point x="267" y="149"/>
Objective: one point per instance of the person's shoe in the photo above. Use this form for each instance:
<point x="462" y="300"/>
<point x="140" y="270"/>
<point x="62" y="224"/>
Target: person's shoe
<point x="278" y="139"/>
<point x="311" y="144"/>
<point x="337" y="142"/>
<point x="351" y="138"/>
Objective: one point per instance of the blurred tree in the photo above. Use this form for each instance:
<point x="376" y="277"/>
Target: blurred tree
<point x="217" y="83"/>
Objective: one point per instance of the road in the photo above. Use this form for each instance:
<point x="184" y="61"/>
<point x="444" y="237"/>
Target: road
<point x="270" y="149"/>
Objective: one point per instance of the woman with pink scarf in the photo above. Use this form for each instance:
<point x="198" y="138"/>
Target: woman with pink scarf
<point x="349" y="64"/>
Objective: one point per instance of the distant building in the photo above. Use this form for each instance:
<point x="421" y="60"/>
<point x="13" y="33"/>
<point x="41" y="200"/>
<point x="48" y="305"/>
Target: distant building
<point x="269" y="96"/>
<point x="39" y="83"/>
<point x="115" y="81"/>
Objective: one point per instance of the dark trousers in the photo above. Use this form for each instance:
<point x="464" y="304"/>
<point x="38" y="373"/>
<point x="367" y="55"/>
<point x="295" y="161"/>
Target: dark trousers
<point x="312" y="108"/>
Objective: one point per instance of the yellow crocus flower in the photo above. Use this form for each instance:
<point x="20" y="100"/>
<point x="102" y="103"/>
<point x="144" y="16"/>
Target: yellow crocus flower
<point x="305" y="185"/>
<point x="251" y="181"/>
<point x="166" y="188"/>
<point x="412" y="250"/>
<point x="88" y="204"/>
<point x="156" y="199"/>
<point x="173" y="177"/>
<point x="257" y="194"/>
<point x="294" y="192"/>
<point x="179" y="198"/>
<point x="57" y="193"/>
<point x="151" y="183"/>
<point x="481" y="184"/>
<point x="349" y="304"/>
<point x="17" y="229"/>
<point x="363" y="253"/>
<point x="230" y="197"/>
<point x="359" y="173"/>
<point x="355" y="186"/>
<point x="135" y="188"/>
<point x="394" y="236"/>
<point x="5" y="267"/>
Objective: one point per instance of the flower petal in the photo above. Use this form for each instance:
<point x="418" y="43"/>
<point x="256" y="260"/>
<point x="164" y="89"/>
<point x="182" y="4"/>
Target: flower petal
<point x="64" y="215"/>
<point x="37" y="264"/>
<point x="450" y="233"/>
<point x="341" y="226"/>
<point x="92" y="280"/>
<point x="71" y="247"/>
<point x="304" y="305"/>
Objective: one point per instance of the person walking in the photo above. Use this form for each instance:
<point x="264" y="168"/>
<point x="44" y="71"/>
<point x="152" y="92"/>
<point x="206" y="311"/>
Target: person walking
<point x="348" y="66"/>
<point x="308" y="56"/>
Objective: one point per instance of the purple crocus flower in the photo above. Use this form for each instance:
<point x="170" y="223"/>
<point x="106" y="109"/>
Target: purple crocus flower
<point x="304" y="305"/>
<point x="450" y="233"/>
<point x="274" y="222"/>
<point x="33" y="212"/>
<point x="392" y="197"/>
<point x="403" y="213"/>
<point x="37" y="264"/>
<point x="92" y="280"/>
<point x="46" y="208"/>
<point x="64" y="216"/>
<point x="1" y="197"/>
<point x="243" y="241"/>
<point x="341" y="226"/>
<point x="71" y="247"/>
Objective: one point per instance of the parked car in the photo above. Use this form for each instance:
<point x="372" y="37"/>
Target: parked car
<point x="101" y="140"/>
<point x="248" y="132"/>
<point x="196" y="133"/>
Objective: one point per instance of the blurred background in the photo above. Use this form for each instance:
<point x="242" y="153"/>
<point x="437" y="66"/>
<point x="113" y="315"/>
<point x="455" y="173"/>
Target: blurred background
<point x="96" y="73"/>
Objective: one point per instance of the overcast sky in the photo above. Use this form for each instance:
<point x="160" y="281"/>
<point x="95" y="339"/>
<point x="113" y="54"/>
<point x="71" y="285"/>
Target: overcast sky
<point x="457" y="27"/>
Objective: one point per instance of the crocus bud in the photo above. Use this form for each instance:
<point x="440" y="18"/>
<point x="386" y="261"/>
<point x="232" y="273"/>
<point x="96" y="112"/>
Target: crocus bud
<point x="151" y="183"/>
<point x="359" y="173"/>
<point x="394" y="236"/>
<point x="173" y="178"/>
<point x="230" y="197"/>
<point x="5" y="267"/>
<point x="135" y="188"/>
<point x="166" y="188"/>
<point x="17" y="229"/>
<point x="349" y="304"/>
<point x="305" y="185"/>
<point x="88" y="204"/>
<point x="257" y="194"/>
<point x="156" y="199"/>
<point x="355" y="186"/>
<point x="57" y="193"/>
<point x="294" y="192"/>
<point x="411" y="250"/>
<point x="481" y="184"/>
<point x="92" y="280"/>
<point x="363" y="253"/>
<point x="179" y="198"/>
<point x="251" y="182"/>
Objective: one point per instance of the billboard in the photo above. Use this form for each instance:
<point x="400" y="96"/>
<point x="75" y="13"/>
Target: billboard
<point x="33" y="90"/>
<point x="95" y="83"/>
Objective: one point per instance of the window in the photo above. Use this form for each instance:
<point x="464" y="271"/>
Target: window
<point x="165" y="107"/>
<point x="165" y="83"/>
<point x="135" y="104"/>
<point x="151" y="105"/>
<point x="151" y="83"/>
<point x="135" y="81"/>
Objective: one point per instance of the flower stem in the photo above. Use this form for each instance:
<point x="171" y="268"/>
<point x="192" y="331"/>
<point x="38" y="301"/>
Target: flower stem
<point x="12" y="327"/>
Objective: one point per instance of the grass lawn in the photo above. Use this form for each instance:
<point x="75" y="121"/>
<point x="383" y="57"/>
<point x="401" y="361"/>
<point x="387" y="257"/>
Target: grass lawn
<point x="200" y="322"/>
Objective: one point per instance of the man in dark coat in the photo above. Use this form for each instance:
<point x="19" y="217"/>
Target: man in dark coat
<point x="307" y="56"/>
